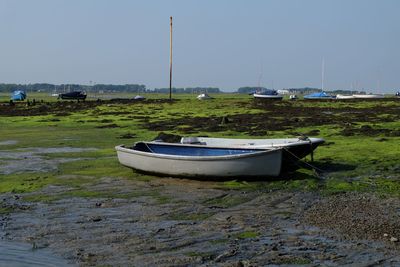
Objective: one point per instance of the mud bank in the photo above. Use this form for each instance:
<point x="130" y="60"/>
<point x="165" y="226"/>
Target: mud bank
<point x="65" y="108"/>
<point x="33" y="159"/>
<point x="177" y="222"/>
<point x="287" y="116"/>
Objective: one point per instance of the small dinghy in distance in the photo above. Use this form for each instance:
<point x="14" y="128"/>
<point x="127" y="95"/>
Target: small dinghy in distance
<point x="318" y="96"/>
<point x="268" y="94"/>
<point x="204" y="97"/>
<point x="76" y="95"/>
<point x="139" y="98"/>
<point x="200" y="161"/>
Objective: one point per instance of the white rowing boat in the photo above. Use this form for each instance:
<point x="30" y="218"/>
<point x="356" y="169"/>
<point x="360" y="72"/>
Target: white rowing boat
<point x="200" y="161"/>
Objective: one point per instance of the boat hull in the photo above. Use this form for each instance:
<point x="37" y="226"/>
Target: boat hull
<point x="272" y="97"/>
<point x="318" y="98"/>
<point x="345" y="97"/>
<point x="18" y="96"/>
<point x="368" y="96"/>
<point x="73" y="96"/>
<point x="256" y="164"/>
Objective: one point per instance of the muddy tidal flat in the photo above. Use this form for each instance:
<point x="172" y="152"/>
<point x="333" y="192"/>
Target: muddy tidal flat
<point x="63" y="191"/>
<point x="199" y="225"/>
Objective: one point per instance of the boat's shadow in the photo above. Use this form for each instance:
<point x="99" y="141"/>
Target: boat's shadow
<point x="328" y="166"/>
<point x="317" y="169"/>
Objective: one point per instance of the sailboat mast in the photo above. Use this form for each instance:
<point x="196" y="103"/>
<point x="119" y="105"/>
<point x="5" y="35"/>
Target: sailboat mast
<point x="323" y="74"/>
<point x="170" y="59"/>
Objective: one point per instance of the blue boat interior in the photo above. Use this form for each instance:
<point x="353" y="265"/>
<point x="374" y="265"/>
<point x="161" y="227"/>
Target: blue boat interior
<point x="190" y="150"/>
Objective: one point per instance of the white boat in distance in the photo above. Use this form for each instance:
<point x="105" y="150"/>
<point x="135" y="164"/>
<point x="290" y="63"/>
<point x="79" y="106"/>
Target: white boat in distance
<point x="268" y="94"/>
<point x="368" y="96"/>
<point x="200" y="161"/>
<point x="204" y="97"/>
<point x="139" y="97"/>
<point x="345" y="96"/>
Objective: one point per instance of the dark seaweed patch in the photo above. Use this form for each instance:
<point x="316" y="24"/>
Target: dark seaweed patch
<point x="284" y="116"/>
<point x="113" y="125"/>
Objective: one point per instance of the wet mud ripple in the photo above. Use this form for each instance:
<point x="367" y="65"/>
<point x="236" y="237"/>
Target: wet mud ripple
<point x="65" y="108"/>
<point x="358" y="216"/>
<point x="189" y="223"/>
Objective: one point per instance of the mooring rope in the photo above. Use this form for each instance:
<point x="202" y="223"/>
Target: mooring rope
<point x="302" y="161"/>
<point x="312" y="150"/>
<point x="148" y="147"/>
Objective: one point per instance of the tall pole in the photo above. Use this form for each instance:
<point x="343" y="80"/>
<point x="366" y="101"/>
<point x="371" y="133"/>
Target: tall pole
<point x="323" y="74"/>
<point x="170" y="59"/>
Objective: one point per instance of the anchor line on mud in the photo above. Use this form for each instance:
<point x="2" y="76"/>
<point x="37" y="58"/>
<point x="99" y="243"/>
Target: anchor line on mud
<point x="318" y="170"/>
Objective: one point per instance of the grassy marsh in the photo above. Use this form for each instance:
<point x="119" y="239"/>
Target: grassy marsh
<point x="363" y="160"/>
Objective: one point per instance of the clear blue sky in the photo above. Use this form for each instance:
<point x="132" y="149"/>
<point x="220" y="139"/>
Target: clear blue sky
<point x="219" y="43"/>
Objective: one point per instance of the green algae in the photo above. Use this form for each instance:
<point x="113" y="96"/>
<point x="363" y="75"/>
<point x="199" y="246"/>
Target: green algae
<point x="25" y="182"/>
<point x="348" y="163"/>
<point x="246" y="234"/>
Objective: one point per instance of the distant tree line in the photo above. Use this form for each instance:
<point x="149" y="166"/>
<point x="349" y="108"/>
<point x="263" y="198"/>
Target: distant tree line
<point x="188" y="90"/>
<point x="304" y="90"/>
<point x="346" y="92"/>
<point x="250" y="89"/>
<point x="140" y="88"/>
<point x="47" y="87"/>
<point x="134" y="88"/>
<point x="309" y="90"/>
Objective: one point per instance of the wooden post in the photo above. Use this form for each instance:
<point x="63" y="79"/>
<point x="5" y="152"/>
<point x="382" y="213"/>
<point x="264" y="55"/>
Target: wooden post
<point x="170" y="59"/>
<point x="323" y="74"/>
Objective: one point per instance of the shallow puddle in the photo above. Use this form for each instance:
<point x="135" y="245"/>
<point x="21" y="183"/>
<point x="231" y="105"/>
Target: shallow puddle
<point x="32" y="159"/>
<point x="20" y="254"/>
<point x="8" y="142"/>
